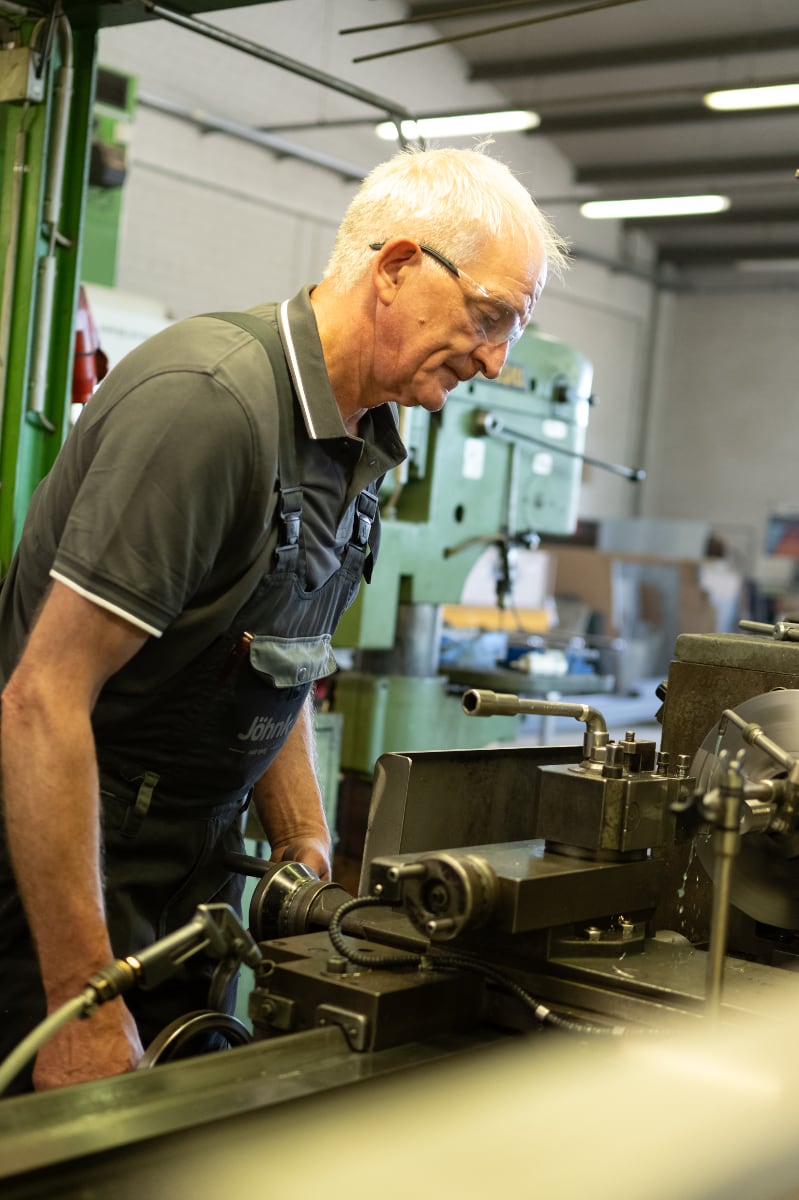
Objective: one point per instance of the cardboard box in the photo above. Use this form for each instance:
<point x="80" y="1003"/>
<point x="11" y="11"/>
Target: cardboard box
<point x="638" y="597"/>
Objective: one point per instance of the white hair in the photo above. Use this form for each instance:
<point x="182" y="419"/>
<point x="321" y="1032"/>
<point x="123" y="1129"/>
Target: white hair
<point x="454" y="199"/>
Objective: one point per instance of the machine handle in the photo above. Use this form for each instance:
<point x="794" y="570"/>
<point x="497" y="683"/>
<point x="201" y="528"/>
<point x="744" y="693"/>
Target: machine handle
<point x="492" y="426"/>
<point x="479" y="702"/>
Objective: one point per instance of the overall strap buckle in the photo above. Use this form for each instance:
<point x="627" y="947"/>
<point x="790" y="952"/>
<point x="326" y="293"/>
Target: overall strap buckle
<point x="365" y="536"/>
<point x="141" y="806"/>
<point x="365" y="513"/>
<point x="290" y="513"/>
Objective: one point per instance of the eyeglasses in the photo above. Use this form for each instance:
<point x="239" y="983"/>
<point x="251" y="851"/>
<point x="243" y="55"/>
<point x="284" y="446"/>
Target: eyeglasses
<point x="495" y="321"/>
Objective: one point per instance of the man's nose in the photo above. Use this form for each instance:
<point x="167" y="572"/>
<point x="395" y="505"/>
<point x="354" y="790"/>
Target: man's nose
<point x="491" y="359"/>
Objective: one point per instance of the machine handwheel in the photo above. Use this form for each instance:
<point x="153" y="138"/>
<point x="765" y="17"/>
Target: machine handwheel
<point x="174" y="1037"/>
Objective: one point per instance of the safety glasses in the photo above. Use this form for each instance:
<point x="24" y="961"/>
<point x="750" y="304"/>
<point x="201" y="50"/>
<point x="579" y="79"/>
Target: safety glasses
<point x="495" y="321"/>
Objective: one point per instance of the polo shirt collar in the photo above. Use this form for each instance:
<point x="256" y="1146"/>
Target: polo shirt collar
<point x="300" y="338"/>
<point x="298" y="333"/>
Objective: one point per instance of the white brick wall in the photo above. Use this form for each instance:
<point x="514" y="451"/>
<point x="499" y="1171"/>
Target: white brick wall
<point x="724" y="440"/>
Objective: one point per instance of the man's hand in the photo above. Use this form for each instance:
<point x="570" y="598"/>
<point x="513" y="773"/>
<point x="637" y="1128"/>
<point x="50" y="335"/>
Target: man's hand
<point x="107" y="1043"/>
<point x="314" y="852"/>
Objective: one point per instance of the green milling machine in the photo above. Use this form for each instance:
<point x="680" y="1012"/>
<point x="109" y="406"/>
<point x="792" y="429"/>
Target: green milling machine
<point x="498" y="466"/>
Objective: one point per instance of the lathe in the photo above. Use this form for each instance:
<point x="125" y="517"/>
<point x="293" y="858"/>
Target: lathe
<point x="510" y="903"/>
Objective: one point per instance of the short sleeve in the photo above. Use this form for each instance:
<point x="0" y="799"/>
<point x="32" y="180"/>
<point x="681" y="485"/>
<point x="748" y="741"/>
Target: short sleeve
<point x="167" y="481"/>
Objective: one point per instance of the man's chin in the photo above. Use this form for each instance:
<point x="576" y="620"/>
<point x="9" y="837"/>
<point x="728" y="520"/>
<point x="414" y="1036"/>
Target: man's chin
<point x="436" y="403"/>
<point x="430" y="401"/>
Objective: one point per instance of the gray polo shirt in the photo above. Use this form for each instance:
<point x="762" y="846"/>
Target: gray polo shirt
<point x="160" y="505"/>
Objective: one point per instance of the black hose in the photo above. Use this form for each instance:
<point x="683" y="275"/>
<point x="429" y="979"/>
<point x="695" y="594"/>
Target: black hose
<point x="542" y="1014"/>
<point x="359" y="958"/>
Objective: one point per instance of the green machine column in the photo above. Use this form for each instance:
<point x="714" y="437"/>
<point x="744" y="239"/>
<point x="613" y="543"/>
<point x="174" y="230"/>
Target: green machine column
<point x="47" y="76"/>
<point x="499" y="463"/>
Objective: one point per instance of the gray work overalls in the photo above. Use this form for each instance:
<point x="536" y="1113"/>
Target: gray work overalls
<point x="176" y="773"/>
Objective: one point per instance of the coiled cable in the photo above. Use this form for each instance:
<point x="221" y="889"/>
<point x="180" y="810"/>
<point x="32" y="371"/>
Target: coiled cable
<point x="362" y="958"/>
<point x="457" y="962"/>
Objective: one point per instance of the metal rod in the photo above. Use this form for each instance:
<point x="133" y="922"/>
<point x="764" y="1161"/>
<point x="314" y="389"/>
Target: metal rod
<point x="14" y="202"/>
<point x="719" y="921"/>
<point x="480" y="702"/>
<point x="633" y="474"/>
<point x="277" y="60"/>
<point x="726" y="844"/>
<point x="51" y="211"/>
<point x="461" y="37"/>
<point x="754" y="735"/>
<point x="448" y="14"/>
<point x="246" y="133"/>
<point x="781" y="631"/>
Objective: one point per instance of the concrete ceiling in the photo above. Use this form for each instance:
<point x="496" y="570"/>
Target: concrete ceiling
<point x="618" y="85"/>
<point x="619" y="90"/>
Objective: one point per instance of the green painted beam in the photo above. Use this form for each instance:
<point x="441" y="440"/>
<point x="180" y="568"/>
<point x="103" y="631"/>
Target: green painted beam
<point x="30" y="439"/>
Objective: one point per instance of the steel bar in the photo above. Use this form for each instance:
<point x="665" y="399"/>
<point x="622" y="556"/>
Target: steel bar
<point x="450" y="13"/>
<point x="462" y="37"/>
<point x="277" y="60"/>
<point x="211" y="122"/>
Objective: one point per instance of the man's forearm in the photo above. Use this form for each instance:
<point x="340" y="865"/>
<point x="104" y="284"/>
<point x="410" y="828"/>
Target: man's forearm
<point x="288" y="801"/>
<point x="51" y="802"/>
<point x="50" y="797"/>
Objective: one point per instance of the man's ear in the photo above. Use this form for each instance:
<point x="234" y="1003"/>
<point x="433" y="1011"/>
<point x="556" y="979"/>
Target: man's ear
<point x="392" y="265"/>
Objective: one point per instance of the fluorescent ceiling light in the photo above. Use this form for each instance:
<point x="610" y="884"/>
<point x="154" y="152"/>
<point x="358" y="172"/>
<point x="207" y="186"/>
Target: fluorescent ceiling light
<point x="461" y="126"/>
<point x="663" y="206"/>
<point x="781" y="95"/>
<point x="768" y="265"/>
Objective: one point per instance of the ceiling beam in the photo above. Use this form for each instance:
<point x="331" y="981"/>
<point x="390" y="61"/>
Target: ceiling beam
<point x="448" y="9"/>
<point x="774" y="214"/>
<point x="708" y="256"/>
<point x="579" y="113"/>
<point x="711" y="168"/>
<point x="634" y="56"/>
<point x="593" y="121"/>
<point x="680" y="93"/>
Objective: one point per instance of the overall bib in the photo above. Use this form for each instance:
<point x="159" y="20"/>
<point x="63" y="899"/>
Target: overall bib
<point x="177" y="772"/>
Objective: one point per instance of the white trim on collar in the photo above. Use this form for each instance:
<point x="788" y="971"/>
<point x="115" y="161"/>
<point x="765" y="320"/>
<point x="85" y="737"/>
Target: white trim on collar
<point x="285" y="329"/>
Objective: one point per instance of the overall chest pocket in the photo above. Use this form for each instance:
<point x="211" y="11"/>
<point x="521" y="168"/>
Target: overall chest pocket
<point x="287" y="662"/>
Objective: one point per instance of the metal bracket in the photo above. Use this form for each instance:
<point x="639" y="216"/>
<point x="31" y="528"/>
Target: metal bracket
<point x="355" y="1025"/>
<point x="19" y="76"/>
<point x="266" y="1008"/>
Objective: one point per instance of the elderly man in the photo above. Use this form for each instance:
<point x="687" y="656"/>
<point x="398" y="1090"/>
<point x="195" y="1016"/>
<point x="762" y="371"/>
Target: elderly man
<point x="184" y="566"/>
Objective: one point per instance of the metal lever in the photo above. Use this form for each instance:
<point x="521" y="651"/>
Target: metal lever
<point x="726" y="844"/>
<point x="214" y="928"/>
<point x="754" y="735"/>
<point x="492" y="426"/>
<point x="479" y="702"/>
<point x="781" y="631"/>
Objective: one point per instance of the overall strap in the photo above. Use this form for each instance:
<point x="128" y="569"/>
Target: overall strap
<point x="290" y="491"/>
<point x="365" y="535"/>
<point x="366" y="531"/>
